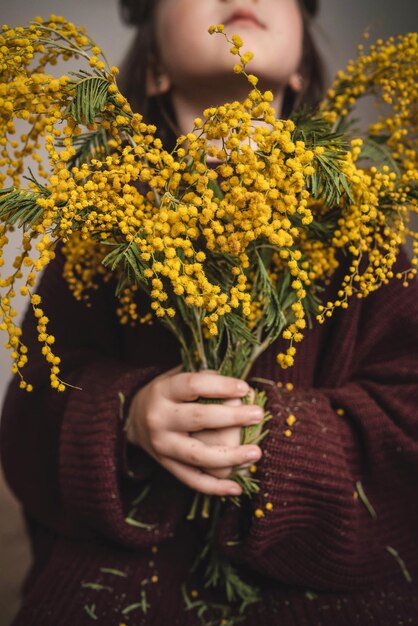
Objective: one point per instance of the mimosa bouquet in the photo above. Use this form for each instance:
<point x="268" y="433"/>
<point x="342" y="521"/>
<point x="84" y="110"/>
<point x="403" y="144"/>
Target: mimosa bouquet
<point x="232" y="234"/>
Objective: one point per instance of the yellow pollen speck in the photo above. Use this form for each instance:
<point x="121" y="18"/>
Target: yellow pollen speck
<point x="287" y="433"/>
<point x="269" y="506"/>
<point x="154" y="579"/>
<point x="259" y="513"/>
<point x="340" y="411"/>
<point x="290" y="420"/>
<point x="289" y="386"/>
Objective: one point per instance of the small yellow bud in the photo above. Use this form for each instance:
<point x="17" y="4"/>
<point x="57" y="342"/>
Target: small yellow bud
<point x="290" y="420"/>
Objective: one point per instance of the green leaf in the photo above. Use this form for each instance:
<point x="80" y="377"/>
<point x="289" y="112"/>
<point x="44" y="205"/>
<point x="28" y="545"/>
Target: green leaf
<point x="115" y="257"/>
<point x="332" y="178"/>
<point x="143" y="605"/>
<point x="21" y="208"/>
<point x="365" y="499"/>
<point x="375" y="150"/>
<point x="284" y="289"/>
<point x="239" y="328"/>
<point x="114" y="572"/>
<point x="217" y="191"/>
<point x="328" y="179"/>
<point x="96" y="587"/>
<point x="88" y="146"/>
<point x="324" y="224"/>
<point x="401" y="563"/>
<point x="91" y="611"/>
<point x="133" y="522"/>
<point x="272" y="309"/>
<point x="89" y="99"/>
<point x="218" y="268"/>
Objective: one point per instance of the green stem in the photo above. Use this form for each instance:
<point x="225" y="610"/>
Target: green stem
<point x="256" y="351"/>
<point x="72" y="44"/>
<point x="206" y="506"/>
<point x="60" y="46"/>
<point x="198" y="343"/>
<point x="192" y="513"/>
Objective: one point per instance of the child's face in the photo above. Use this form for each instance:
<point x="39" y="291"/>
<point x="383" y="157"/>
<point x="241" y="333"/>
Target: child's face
<point x="271" y="29"/>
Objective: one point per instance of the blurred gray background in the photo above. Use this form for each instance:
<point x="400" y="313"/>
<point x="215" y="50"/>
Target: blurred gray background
<point x="338" y="30"/>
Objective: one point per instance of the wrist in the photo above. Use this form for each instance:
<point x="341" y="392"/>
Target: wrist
<point x="132" y="417"/>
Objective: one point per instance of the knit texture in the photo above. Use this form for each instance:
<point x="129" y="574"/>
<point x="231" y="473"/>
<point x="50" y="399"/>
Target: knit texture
<point x="321" y="555"/>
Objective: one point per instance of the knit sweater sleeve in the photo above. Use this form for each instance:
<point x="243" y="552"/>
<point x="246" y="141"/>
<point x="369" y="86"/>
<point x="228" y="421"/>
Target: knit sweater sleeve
<point x="64" y="454"/>
<point x="342" y="487"/>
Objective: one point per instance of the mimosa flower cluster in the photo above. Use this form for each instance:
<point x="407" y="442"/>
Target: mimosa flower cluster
<point x="233" y="231"/>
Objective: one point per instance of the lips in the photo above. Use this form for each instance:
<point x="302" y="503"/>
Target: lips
<point x="244" y="17"/>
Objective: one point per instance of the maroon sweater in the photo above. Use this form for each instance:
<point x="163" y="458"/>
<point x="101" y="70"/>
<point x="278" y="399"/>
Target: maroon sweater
<point x="319" y="556"/>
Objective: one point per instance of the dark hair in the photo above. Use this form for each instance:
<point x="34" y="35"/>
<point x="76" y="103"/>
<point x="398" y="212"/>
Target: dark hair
<point x="159" y="111"/>
<point x="312" y="67"/>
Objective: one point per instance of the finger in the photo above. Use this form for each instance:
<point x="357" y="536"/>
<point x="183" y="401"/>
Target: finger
<point x="189" y="386"/>
<point x="195" y="416"/>
<point x="223" y="472"/>
<point x="232" y="402"/>
<point x="200" y="481"/>
<point x="191" y="451"/>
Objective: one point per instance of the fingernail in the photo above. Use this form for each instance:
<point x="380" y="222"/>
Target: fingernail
<point x="252" y="455"/>
<point x="235" y="491"/>
<point x="256" y="413"/>
<point x="242" y="386"/>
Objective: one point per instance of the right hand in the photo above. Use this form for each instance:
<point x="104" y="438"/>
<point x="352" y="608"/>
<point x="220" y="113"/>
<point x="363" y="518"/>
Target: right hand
<point x="164" y="413"/>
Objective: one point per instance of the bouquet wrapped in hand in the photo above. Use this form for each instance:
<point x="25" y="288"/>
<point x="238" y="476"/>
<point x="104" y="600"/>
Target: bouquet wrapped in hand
<point x="232" y="234"/>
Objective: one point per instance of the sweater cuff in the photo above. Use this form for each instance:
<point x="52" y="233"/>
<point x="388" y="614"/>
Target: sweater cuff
<point x="93" y="451"/>
<point x="135" y="463"/>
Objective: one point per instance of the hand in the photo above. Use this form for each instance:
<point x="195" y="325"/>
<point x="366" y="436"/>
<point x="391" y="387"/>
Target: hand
<point x="226" y="436"/>
<point x="164" y="413"/>
<point x="229" y="436"/>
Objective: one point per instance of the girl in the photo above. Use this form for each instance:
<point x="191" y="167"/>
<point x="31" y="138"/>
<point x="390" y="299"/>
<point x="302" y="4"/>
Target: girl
<point x="107" y="474"/>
